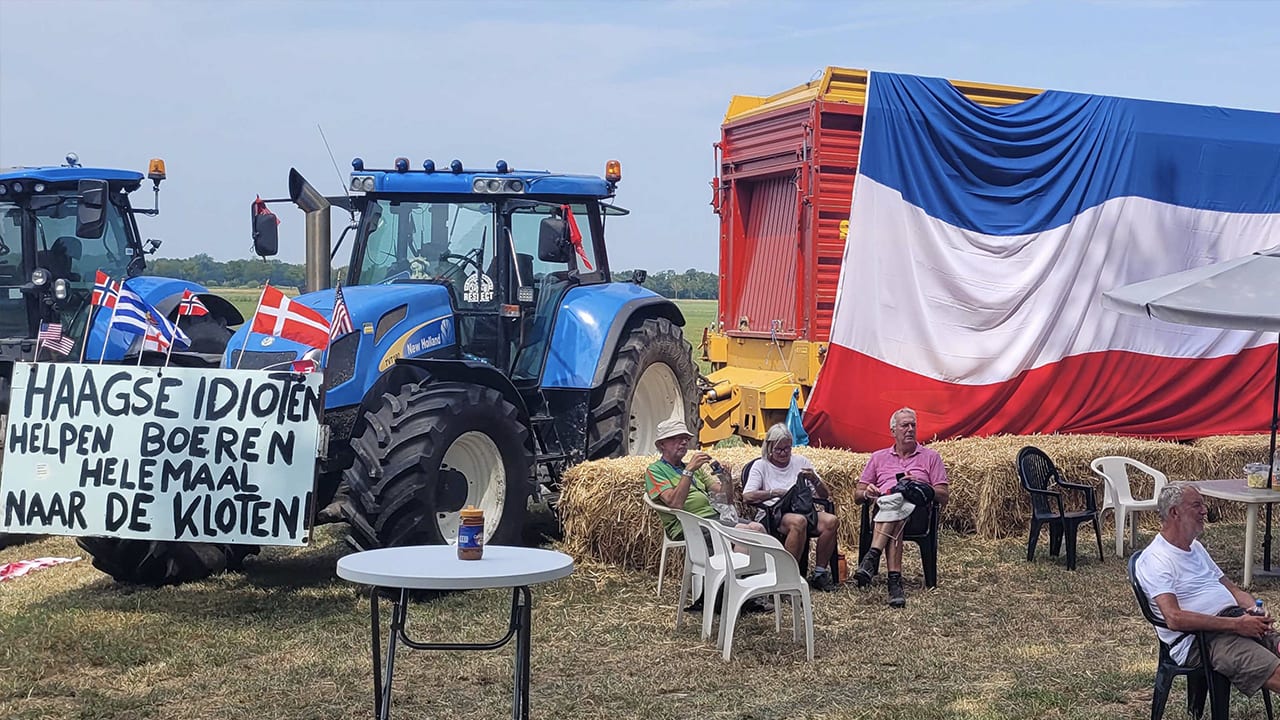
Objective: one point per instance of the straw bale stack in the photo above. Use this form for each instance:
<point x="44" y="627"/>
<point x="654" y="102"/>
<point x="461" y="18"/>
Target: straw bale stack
<point x="603" y="517"/>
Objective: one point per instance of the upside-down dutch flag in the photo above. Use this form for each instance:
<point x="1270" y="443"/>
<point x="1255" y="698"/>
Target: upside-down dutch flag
<point x="278" y="316"/>
<point x="982" y="238"/>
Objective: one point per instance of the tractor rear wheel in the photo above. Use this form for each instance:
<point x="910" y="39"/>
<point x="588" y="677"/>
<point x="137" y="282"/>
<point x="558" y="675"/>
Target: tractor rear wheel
<point x="652" y="378"/>
<point x="427" y="451"/>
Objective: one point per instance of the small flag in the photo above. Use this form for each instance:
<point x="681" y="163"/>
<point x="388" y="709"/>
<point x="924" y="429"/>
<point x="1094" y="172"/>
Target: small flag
<point x="170" y="332"/>
<point x="191" y="305"/>
<point x="341" y="323"/>
<point x="130" y="314"/>
<point x="277" y="316"/>
<point x="52" y="337"/>
<point x="575" y="235"/>
<point x="155" y="340"/>
<point x="305" y="365"/>
<point x="260" y="208"/>
<point x="104" y="291"/>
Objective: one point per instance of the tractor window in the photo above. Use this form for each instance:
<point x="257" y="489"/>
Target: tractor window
<point x="525" y="225"/>
<point x="13" y="304"/>
<point x="444" y="242"/>
<point x="59" y="251"/>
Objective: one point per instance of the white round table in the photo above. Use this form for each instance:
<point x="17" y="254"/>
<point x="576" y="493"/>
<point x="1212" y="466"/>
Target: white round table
<point x="437" y="567"/>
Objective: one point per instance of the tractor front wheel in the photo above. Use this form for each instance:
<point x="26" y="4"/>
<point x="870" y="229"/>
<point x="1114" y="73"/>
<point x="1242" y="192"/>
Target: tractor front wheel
<point x="652" y="378"/>
<point x="427" y="451"/>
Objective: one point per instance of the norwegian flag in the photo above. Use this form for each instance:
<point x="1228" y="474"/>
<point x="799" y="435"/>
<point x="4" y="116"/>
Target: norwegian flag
<point x="191" y="305"/>
<point x="341" y="323"/>
<point x="278" y="316"/>
<point x="105" y="292"/>
<point x="52" y="337"/>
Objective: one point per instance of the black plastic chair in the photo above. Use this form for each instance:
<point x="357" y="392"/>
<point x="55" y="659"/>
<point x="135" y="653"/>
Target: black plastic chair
<point x="1040" y="478"/>
<point x="1202" y="679"/>
<point x="824" y="504"/>
<point x="921" y="529"/>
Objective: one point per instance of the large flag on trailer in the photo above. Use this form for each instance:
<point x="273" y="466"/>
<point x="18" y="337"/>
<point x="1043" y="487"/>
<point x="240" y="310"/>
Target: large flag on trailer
<point x="982" y="238"/>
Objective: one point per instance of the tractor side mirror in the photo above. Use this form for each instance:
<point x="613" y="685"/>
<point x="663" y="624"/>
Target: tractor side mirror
<point x="91" y="211"/>
<point x="266" y="234"/>
<point x="553" y="240"/>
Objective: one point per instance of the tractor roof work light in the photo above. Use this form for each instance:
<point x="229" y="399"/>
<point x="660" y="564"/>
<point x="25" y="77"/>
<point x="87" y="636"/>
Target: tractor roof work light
<point x="613" y="171"/>
<point x="429" y="165"/>
<point x="456" y="166"/>
<point x="357" y="164"/>
<point x="402" y="164"/>
<point x="155" y="170"/>
<point x="503" y="167"/>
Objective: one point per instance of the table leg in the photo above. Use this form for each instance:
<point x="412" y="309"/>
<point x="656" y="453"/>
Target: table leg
<point x="521" y="618"/>
<point x="376" y="652"/>
<point x="382" y="680"/>
<point x="1250" y="535"/>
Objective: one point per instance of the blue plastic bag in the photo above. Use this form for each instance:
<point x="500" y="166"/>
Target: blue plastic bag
<point x="794" y="424"/>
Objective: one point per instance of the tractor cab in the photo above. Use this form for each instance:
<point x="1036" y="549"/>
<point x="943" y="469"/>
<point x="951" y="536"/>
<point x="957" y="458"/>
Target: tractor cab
<point x="507" y="245"/>
<point x="58" y="226"/>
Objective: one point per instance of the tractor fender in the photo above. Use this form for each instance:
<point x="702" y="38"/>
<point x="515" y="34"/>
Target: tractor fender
<point x="417" y="370"/>
<point x="591" y="321"/>
<point x="163" y="294"/>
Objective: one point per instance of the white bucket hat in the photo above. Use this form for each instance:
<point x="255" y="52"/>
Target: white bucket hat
<point x="893" y="507"/>
<point x="671" y="428"/>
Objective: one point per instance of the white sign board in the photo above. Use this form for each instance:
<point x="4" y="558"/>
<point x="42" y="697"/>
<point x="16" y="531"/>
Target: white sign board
<point x="179" y="454"/>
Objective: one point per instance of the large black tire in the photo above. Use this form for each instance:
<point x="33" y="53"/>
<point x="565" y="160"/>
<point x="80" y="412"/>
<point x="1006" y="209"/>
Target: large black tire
<point x="426" y="451"/>
<point x="145" y="562"/>
<point x="651" y="378"/>
<point x="148" y="562"/>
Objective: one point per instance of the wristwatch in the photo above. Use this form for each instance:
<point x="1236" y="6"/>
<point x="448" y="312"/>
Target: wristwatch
<point x="687" y="473"/>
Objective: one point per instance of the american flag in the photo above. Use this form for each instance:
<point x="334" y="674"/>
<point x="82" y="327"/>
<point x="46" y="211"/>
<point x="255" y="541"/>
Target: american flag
<point x="341" y="323"/>
<point x="191" y="305"/>
<point x="52" y="337"/>
<point x="105" y="291"/>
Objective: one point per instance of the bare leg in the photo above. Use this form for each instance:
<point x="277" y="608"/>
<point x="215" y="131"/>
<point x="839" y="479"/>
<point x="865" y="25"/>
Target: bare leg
<point x="827" y="526"/>
<point x="796" y="528"/>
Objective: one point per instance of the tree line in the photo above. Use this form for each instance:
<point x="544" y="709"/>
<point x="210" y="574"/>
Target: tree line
<point x="690" y="284"/>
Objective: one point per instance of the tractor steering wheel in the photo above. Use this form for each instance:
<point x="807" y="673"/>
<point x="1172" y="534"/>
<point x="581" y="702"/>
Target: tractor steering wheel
<point x="465" y="260"/>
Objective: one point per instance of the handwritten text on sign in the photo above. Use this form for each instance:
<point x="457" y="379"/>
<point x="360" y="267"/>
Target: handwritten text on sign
<point x="171" y="453"/>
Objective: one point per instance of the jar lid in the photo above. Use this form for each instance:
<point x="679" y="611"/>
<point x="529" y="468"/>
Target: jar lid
<point x="471" y="512"/>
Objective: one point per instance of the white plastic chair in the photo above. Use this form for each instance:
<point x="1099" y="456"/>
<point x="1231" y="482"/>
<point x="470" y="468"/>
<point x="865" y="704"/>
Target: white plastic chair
<point x="1118" y="498"/>
<point x="667" y="542"/>
<point x="781" y="576"/>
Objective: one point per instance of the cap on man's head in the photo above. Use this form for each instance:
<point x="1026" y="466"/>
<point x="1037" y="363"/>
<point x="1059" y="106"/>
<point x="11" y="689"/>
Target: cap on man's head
<point x="671" y="428"/>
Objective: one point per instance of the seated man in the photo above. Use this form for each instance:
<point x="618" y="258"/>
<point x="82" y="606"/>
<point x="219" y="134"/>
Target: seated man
<point x="1189" y="592"/>
<point x="771" y="477"/>
<point x="671" y="482"/>
<point x="908" y="462"/>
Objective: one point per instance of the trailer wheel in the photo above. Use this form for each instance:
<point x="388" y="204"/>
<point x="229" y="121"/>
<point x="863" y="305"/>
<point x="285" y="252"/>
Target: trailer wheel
<point x="144" y="562"/>
<point x="148" y="562"/>
<point x="652" y="378"/>
<point x="427" y="451"/>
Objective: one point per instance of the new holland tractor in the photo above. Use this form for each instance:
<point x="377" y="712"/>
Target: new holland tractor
<point x="492" y="349"/>
<point x="59" y="225"/>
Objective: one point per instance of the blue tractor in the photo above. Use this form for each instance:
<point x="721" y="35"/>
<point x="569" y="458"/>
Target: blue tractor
<point x="59" y="225"/>
<point x="491" y="348"/>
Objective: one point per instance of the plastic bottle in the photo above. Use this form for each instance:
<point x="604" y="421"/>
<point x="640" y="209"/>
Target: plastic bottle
<point x="1257" y="608"/>
<point x="471" y="533"/>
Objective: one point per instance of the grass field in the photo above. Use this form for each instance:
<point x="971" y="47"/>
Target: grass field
<point x="998" y="638"/>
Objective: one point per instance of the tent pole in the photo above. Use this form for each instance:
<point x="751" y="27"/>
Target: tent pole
<point x="1275" y="425"/>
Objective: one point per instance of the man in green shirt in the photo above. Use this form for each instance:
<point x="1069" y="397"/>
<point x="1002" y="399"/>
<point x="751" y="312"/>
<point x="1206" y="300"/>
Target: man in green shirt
<point x="687" y="486"/>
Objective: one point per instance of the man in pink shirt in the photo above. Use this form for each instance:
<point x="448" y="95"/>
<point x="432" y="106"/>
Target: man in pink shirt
<point x="906" y="461"/>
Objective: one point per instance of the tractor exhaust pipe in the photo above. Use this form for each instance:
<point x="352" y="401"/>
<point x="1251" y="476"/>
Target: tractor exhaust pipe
<point x="319" y="238"/>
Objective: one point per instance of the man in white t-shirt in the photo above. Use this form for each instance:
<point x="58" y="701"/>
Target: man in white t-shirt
<point x="1188" y="590"/>
<point x="776" y="472"/>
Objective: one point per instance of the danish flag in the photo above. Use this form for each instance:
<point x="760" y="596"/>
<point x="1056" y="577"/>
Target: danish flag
<point x="191" y="305"/>
<point x="280" y="317"/>
<point x="105" y="292"/>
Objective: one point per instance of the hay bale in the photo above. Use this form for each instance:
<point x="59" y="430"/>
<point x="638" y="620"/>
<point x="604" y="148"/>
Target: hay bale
<point x="1228" y="454"/>
<point x="604" y="519"/>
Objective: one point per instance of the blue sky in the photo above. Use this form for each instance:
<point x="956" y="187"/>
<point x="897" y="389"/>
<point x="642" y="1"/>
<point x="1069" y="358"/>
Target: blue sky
<point x="230" y="93"/>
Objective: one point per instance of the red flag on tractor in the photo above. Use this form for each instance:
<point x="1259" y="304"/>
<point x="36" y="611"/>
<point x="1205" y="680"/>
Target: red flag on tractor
<point x="278" y="316"/>
<point x="191" y="305"/>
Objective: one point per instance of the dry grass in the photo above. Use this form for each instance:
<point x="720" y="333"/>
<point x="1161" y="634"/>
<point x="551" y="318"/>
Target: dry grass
<point x="999" y="638"/>
<point x="604" y="520"/>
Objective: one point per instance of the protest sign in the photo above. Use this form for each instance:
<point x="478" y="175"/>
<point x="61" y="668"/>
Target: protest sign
<point x="179" y="454"/>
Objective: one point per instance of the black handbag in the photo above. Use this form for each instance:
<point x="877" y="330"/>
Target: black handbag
<point x="799" y="500"/>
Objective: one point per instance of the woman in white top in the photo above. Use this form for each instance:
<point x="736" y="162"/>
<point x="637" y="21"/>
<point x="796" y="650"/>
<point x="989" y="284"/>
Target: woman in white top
<point x="777" y="471"/>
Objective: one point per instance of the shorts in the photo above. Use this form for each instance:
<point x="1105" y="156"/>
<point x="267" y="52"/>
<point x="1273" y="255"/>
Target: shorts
<point x="1247" y="662"/>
